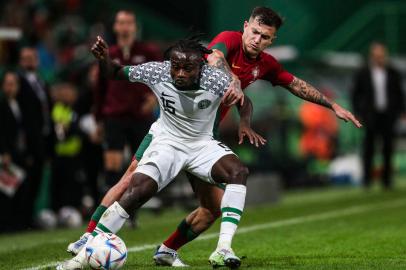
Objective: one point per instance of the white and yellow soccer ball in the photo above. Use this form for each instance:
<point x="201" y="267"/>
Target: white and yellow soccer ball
<point x="106" y="251"/>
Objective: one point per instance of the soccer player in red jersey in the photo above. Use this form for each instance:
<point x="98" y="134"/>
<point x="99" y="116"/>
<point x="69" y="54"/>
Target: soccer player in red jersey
<point x="242" y="54"/>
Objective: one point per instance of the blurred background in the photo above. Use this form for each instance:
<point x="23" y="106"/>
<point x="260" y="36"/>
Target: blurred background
<point x="56" y="163"/>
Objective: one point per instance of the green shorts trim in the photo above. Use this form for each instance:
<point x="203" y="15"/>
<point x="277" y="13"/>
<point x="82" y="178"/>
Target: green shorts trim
<point x="143" y="146"/>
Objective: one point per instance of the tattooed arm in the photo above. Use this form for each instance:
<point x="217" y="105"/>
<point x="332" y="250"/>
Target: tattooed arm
<point x="307" y="92"/>
<point x="234" y="92"/>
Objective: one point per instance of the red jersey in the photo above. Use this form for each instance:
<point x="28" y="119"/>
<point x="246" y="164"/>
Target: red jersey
<point x="264" y="67"/>
<point x="123" y="99"/>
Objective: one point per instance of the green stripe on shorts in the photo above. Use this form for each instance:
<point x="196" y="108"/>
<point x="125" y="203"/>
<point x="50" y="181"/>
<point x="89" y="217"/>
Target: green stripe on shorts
<point x="143" y="146"/>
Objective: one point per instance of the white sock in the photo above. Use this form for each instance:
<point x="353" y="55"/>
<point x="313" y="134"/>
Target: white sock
<point x="112" y="220"/>
<point x="232" y="206"/>
<point x="165" y="248"/>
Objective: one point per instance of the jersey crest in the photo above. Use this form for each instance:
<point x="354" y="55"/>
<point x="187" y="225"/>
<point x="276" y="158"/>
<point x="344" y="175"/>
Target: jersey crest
<point x="203" y="104"/>
<point x="255" y="72"/>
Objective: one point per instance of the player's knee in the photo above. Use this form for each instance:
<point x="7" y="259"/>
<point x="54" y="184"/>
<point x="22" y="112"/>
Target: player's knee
<point x="238" y="175"/>
<point x="139" y="190"/>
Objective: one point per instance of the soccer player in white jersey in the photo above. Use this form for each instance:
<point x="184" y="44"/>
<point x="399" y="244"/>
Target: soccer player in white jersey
<point x="189" y="93"/>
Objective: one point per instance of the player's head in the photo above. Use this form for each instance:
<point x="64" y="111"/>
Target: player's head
<point x="29" y="59"/>
<point x="187" y="59"/>
<point x="260" y="30"/>
<point x="10" y="84"/>
<point x="378" y="54"/>
<point x="125" y="25"/>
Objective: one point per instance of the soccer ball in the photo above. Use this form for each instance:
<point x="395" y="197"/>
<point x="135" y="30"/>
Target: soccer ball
<point x="106" y="251"/>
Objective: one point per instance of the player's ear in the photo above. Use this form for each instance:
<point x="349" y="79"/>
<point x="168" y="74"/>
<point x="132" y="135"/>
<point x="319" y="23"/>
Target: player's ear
<point x="245" y="24"/>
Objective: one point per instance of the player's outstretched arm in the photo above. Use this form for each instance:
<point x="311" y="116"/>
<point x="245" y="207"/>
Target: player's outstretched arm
<point x="234" y="92"/>
<point x="111" y="69"/>
<point x="244" y="129"/>
<point x="307" y="92"/>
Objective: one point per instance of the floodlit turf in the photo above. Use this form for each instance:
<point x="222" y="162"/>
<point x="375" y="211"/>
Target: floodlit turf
<point x="336" y="228"/>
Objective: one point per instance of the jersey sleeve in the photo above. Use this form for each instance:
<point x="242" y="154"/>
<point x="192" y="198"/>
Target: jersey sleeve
<point x="150" y="73"/>
<point x="214" y="80"/>
<point x="277" y="75"/>
<point x="226" y="42"/>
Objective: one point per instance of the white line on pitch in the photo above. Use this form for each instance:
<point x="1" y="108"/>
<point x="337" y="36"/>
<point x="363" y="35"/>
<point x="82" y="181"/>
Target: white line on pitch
<point x="286" y="222"/>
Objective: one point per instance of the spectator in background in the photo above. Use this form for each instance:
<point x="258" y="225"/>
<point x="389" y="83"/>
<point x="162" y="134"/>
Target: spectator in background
<point x="92" y="153"/>
<point x="124" y="108"/>
<point x="35" y="103"/>
<point x="13" y="150"/>
<point x="67" y="173"/>
<point x="378" y="100"/>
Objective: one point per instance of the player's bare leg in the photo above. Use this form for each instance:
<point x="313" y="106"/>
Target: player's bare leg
<point x="193" y="225"/>
<point x="112" y="195"/>
<point x="230" y="170"/>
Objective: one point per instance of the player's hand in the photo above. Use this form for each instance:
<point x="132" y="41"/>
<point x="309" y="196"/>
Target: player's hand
<point x="100" y="49"/>
<point x="253" y="137"/>
<point x="234" y="93"/>
<point x="345" y="115"/>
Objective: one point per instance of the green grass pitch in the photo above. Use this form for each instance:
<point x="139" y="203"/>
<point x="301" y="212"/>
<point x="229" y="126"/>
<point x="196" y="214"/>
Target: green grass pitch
<point x="334" y="228"/>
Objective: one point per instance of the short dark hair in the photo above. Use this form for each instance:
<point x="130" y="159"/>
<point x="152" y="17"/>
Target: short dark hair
<point x="267" y="16"/>
<point x="191" y="44"/>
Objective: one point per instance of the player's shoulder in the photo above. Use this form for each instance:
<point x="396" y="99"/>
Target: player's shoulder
<point x="269" y="61"/>
<point x="214" y="80"/>
<point x="151" y="72"/>
<point x="268" y="57"/>
<point x="230" y="35"/>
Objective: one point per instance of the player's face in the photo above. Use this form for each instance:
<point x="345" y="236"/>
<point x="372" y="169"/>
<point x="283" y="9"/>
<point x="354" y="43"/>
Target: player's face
<point x="257" y="37"/>
<point x="185" y="69"/>
<point x="124" y="25"/>
<point x="10" y="85"/>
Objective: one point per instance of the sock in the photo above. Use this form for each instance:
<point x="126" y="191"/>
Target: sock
<point x="183" y="234"/>
<point x="232" y="206"/>
<point x="112" y="220"/>
<point x="95" y="218"/>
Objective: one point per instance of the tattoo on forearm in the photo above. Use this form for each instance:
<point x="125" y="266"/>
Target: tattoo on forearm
<point x="306" y="91"/>
<point x="221" y="63"/>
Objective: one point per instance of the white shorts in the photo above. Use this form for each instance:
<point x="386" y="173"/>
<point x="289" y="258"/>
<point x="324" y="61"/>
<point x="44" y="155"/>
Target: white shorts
<point x="166" y="156"/>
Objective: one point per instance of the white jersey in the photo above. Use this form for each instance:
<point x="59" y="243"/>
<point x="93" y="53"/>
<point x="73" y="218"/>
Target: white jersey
<point x="185" y="114"/>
